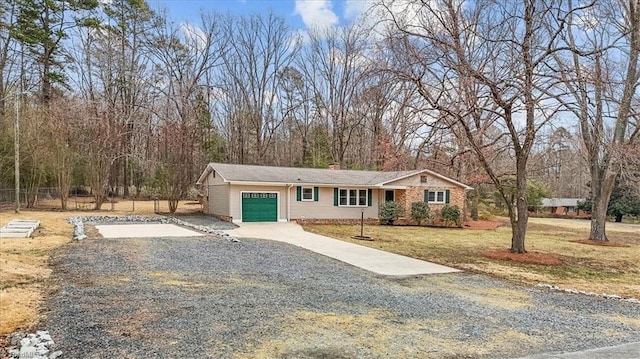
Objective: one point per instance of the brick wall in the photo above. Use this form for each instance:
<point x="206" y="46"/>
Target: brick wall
<point x="416" y="194"/>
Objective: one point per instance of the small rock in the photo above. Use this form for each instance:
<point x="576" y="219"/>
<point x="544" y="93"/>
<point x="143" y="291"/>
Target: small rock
<point x="27" y="352"/>
<point x="56" y="354"/>
<point x="15" y="338"/>
<point x="45" y="337"/>
<point x="14" y="353"/>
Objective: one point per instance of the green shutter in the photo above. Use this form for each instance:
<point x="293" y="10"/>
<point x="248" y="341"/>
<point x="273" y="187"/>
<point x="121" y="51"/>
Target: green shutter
<point x="298" y="193"/>
<point x="426" y="195"/>
<point x="315" y="194"/>
<point x="447" y="196"/>
<point x="335" y="197"/>
<point x="369" y="197"/>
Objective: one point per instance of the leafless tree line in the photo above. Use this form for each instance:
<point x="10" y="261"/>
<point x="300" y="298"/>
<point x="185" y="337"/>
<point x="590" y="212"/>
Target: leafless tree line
<point x="496" y="92"/>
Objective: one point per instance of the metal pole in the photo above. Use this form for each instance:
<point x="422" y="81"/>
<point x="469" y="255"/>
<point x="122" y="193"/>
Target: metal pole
<point x="17" y="153"/>
<point x="362" y="224"/>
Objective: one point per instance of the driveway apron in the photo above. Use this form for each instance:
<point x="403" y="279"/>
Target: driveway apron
<point x="371" y="259"/>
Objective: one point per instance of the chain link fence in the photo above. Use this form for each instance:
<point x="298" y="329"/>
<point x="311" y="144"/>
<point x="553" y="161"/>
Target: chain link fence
<point x="78" y="199"/>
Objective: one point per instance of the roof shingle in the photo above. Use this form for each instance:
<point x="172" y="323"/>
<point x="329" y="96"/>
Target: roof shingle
<point x="269" y="174"/>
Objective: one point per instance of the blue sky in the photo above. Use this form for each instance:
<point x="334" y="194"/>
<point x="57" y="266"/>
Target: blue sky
<point x="299" y="14"/>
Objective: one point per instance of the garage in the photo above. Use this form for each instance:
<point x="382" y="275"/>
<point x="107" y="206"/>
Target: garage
<point x="259" y="207"/>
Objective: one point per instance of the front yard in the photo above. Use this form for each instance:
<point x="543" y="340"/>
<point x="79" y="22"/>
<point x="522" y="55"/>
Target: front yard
<point x="557" y="259"/>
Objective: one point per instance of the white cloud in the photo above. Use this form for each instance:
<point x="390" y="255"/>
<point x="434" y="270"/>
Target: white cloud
<point x="194" y="35"/>
<point x="316" y="14"/>
<point x="354" y="8"/>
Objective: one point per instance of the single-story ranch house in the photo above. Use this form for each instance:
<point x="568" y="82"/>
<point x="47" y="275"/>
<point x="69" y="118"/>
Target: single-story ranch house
<point x="562" y="206"/>
<point x="246" y="193"/>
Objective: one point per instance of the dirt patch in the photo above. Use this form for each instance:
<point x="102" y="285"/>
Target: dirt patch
<point x="528" y="258"/>
<point x="482" y="224"/>
<point x="600" y="243"/>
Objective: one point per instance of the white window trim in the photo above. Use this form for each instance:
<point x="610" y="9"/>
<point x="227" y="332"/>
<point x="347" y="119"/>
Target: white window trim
<point x="366" y="196"/>
<point x="435" y="196"/>
<point x="313" y="194"/>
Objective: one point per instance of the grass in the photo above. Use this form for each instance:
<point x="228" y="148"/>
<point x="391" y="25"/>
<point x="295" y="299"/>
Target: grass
<point x="600" y="269"/>
<point x="24" y="261"/>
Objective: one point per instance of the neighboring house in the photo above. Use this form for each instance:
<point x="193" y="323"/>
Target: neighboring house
<point x="244" y="193"/>
<point x="562" y="206"/>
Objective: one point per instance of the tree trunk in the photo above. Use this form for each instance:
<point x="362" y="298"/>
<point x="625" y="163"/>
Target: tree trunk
<point x="521" y="216"/>
<point x="618" y="218"/>
<point x="474" y="203"/>
<point x="601" y="188"/>
<point x="99" y="200"/>
<point x="173" y="205"/>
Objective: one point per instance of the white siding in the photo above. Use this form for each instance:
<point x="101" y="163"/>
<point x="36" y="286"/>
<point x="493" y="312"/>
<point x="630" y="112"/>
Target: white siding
<point x="219" y="199"/>
<point x="217" y="195"/>
<point x="324" y="208"/>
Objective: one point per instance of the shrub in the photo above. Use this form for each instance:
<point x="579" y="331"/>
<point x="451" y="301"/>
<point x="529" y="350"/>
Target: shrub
<point x="390" y="211"/>
<point x="451" y="215"/>
<point x="419" y="211"/>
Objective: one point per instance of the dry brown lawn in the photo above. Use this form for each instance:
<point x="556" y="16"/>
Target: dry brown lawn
<point x="555" y="256"/>
<point x="24" y="261"/>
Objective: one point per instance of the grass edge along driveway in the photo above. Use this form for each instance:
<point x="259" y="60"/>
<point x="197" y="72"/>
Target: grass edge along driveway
<point x="554" y="257"/>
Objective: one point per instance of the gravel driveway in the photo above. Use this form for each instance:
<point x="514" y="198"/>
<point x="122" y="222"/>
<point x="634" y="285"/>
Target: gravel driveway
<point x="204" y="297"/>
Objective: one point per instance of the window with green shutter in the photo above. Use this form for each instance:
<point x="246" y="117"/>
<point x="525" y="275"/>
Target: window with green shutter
<point x="436" y="196"/>
<point x="308" y="194"/>
<point x="352" y="197"/>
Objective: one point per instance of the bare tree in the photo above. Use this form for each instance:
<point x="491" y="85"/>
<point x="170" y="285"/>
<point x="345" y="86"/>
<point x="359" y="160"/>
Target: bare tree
<point x="263" y="47"/>
<point x="601" y="74"/>
<point x="335" y="63"/>
<point x="183" y="55"/>
<point x="481" y="68"/>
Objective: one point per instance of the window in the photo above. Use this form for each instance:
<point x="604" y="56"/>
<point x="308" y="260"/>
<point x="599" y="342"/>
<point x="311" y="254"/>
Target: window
<point x="307" y="194"/>
<point x="389" y="195"/>
<point x="362" y="197"/>
<point x="353" y="197"/>
<point x="436" y="197"/>
<point x="343" y="197"/>
<point x="424" y="179"/>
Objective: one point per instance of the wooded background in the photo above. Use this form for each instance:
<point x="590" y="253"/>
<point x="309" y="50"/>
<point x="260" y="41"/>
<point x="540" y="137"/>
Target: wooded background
<point x="115" y="97"/>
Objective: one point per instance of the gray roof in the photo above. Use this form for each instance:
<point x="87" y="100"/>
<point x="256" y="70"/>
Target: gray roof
<point x="560" y="202"/>
<point x="293" y="175"/>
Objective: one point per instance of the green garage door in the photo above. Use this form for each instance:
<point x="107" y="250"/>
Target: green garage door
<point x="259" y="207"/>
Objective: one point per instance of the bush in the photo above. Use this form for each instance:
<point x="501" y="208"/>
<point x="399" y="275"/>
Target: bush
<point x="451" y="215"/>
<point x="390" y="212"/>
<point x="419" y="211"/>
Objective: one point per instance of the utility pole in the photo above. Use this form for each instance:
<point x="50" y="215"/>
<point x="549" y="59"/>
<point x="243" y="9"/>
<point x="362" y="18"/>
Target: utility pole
<point x="16" y="146"/>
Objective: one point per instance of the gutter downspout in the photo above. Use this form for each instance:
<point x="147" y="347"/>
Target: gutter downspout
<point x="289" y="202"/>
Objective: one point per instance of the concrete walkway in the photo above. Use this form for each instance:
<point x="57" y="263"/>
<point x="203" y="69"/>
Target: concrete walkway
<point x="371" y="259"/>
<point x="624" y="351"/>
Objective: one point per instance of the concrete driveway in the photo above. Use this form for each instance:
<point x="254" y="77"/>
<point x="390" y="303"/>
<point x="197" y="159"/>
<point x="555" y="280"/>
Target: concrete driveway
<point x="374" y="260"/>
